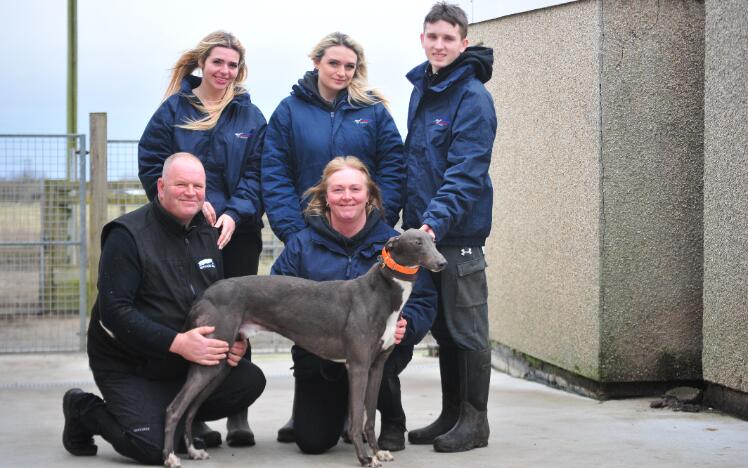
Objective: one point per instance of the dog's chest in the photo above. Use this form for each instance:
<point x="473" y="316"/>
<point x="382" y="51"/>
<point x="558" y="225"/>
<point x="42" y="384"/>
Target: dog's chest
<point x="388" y="337"/>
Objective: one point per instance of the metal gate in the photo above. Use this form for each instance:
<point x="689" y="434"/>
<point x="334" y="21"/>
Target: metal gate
<point x="43" y="255"/>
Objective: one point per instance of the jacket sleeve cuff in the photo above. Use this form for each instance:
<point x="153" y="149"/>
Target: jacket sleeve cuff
<point x="435" y="226"/>
<point x="411" y="337"/>
<point x="234" y="215"/>
<point x="163" y="339"/>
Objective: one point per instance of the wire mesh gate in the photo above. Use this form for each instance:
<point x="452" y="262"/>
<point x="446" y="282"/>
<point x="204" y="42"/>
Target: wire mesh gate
<point x="44" y="245"/>
<point x="43" y="255"/>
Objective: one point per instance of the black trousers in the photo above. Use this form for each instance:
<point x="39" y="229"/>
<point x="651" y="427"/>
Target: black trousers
<point x="131" y="415"/>
<point x="321" y="400"/>
<point x="462" y="315"/>
<point x="241" y="256"/>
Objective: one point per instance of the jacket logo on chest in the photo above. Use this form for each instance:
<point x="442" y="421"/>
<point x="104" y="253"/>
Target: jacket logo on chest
<point x="243" y="135"/>
<point x="440" y="122"/>
<point x="206" y="263"/>
<point x="361" y="122"/>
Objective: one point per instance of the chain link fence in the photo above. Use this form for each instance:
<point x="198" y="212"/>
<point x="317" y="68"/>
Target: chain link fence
<point x="42" y="242"/>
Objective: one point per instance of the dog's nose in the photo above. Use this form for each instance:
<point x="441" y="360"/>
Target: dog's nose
<point x="441" y="265"/>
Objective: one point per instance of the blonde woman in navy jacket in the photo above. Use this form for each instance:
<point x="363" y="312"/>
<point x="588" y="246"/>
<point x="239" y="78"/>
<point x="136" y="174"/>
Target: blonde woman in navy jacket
<point x="331" y="112"/>
<point x="213" y="118"/>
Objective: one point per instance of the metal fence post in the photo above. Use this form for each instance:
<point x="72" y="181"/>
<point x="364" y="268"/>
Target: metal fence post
<point x="99" y="196"/>
<point x="82" y="252"/>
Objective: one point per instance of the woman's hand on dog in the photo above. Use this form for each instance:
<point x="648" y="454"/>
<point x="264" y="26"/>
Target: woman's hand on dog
<point x="400" y="327"/>
<point x="195" y="347"/>
<point x="237" y="352"/>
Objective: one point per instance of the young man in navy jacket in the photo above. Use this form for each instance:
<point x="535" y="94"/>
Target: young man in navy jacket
<point x="451" y="129"/>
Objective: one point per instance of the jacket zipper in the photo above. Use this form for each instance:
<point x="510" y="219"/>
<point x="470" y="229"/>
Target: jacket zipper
<point x="332" y="131"/>
<point x="192" y="287"/>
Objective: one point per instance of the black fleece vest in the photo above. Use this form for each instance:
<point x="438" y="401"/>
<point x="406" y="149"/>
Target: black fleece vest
<point x="177" y="266"/>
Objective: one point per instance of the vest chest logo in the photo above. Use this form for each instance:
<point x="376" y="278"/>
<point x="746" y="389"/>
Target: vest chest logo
<point x="243" y="135"/>
<point x="361" y="121"/>
<point x="440" y="122"/>
<point x="206" y="263"/>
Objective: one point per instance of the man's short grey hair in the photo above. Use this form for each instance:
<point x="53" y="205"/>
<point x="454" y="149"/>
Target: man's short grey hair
<point x="181" y="155"/>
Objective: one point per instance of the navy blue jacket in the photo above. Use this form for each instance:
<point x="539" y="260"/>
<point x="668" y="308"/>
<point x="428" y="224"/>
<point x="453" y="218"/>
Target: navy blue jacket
<point x="230" y="152"/>
<point x="305" y="133"/>
<point x="317" y="253"/>
<point x="451" y="129"/>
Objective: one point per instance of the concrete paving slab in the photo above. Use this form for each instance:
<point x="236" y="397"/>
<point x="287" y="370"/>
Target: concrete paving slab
<point x="531" y="425"/>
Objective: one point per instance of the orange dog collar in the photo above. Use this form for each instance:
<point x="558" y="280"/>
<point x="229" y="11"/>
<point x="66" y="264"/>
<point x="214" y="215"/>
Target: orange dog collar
<point x="393" y="265"/>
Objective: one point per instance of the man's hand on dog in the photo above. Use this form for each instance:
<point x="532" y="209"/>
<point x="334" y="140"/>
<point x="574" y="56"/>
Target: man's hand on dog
<point x="402" y="324"/>
<point x="237" y="352"/>
<point x="195" y="347"/>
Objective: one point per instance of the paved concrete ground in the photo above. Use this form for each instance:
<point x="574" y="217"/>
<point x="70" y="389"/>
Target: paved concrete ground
<point x="531" y="425"/>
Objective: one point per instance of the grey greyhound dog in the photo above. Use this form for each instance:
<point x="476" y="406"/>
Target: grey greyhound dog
<point x="347" y="320"/>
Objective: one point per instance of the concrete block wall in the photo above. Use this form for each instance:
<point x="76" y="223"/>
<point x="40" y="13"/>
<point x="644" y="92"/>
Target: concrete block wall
<point x="595" y="258"/>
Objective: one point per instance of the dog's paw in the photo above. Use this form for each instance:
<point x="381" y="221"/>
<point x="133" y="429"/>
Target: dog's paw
<point x="197" y="454"/>
<point x="172" y="461"/>
<point x="373" y="462"/>
<point x="385" y="455"/>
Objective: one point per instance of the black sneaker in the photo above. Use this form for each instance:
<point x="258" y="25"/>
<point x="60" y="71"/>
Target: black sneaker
<point x="75" y="438"/>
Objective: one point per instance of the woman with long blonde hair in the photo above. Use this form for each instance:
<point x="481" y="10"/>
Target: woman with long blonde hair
<point x="212" y="117"/>
<point x="332" y="110"/>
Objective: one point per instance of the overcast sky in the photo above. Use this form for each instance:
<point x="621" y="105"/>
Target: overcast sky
<point x="126" y="48"/>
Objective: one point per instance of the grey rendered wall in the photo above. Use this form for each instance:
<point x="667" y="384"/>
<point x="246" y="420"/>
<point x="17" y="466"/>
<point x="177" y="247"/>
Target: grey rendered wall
<point x="543" y="252"/>
<point x="725" y="201"/>
<point x="595" y="254"/>
<point x="652" y="159"/>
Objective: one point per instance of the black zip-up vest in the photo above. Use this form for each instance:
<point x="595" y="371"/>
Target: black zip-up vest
<point x="173" y="262"/>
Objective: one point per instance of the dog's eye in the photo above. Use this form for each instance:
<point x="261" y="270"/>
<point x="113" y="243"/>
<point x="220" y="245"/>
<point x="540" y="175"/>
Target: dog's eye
<point x="419" y="242"/>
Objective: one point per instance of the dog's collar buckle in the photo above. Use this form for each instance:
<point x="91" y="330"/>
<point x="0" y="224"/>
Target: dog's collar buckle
<point x="393" y="265"/>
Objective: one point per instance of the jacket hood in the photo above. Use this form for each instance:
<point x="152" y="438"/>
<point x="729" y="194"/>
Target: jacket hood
<point x="191" y="82"/>
<point x="322" y="226"/>
<point x="308" y="89"/>
<point x="476" y="60"/>
<point x="481" y="59"/>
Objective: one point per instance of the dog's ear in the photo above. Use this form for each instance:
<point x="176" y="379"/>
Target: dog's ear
<point x="391" y="243"/>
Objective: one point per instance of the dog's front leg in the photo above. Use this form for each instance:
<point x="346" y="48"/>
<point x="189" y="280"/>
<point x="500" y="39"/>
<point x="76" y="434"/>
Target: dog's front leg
<point x="357" y="380"/>
<point x="372" y="395"/>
